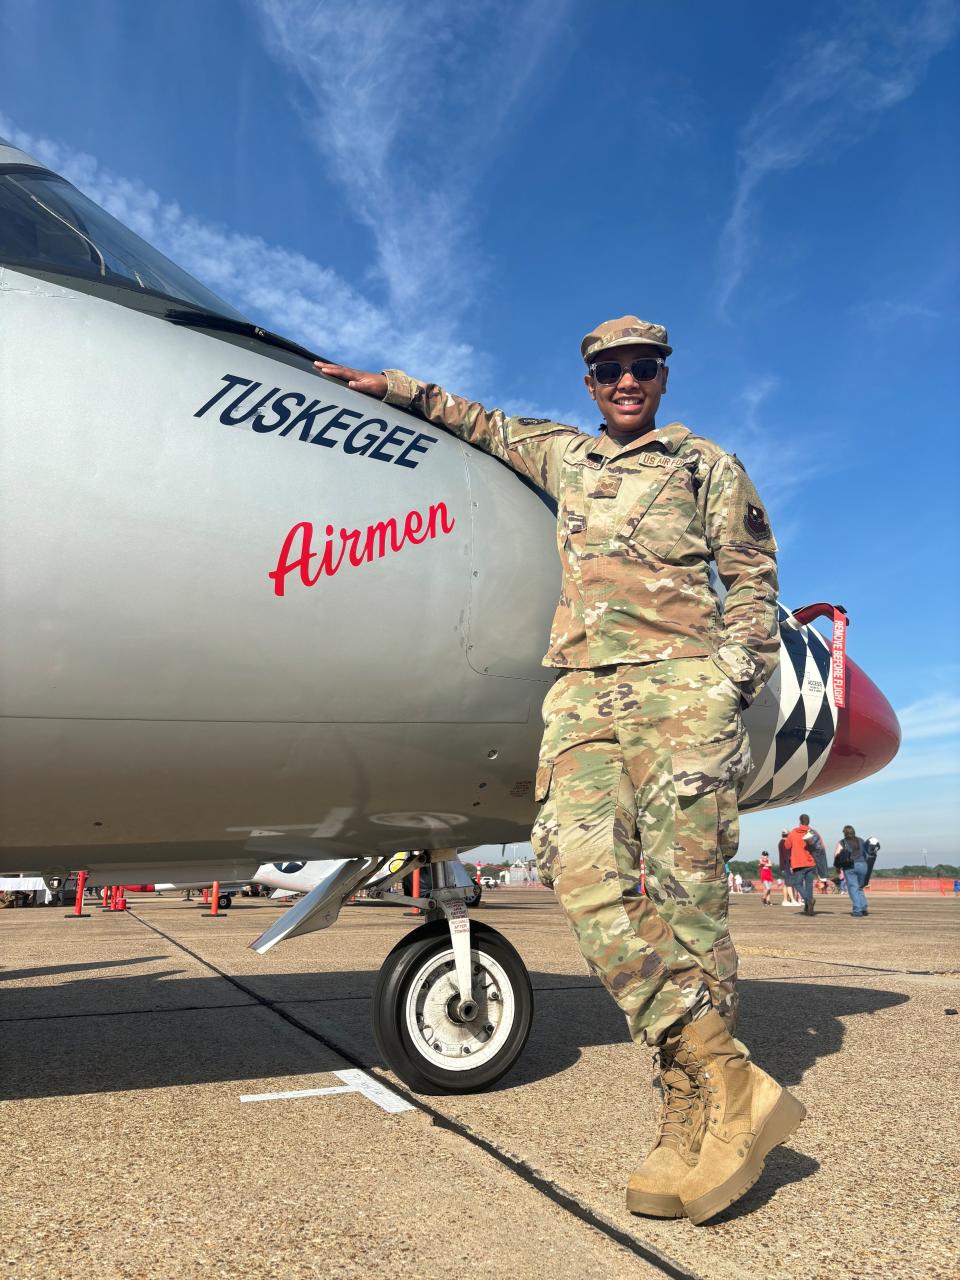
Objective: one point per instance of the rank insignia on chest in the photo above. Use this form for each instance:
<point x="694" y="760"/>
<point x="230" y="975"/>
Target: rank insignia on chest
<point x="756" y="521"/>
<point x="607" y="486"/>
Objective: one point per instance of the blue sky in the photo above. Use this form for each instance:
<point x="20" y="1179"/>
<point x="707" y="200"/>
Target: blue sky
<point x="464" y="190"/>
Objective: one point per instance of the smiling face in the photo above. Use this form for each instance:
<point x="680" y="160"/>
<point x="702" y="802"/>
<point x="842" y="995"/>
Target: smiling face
<point x="629" y="407"/>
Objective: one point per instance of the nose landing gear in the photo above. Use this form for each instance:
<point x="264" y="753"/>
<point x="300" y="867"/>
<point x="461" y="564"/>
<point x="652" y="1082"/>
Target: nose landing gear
<point x="432" y="1036"/>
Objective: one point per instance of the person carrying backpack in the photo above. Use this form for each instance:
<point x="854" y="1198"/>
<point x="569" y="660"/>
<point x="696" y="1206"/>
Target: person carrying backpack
<point x="851" y="858"/>
<point x="814" y="842"/>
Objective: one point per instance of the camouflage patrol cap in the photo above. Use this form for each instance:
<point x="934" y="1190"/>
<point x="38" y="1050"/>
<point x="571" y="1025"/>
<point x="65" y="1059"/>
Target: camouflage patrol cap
<point x="626" y="331"/>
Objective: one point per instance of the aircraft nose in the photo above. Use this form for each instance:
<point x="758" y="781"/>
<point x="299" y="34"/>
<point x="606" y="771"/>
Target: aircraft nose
<point x="867" y="737"/>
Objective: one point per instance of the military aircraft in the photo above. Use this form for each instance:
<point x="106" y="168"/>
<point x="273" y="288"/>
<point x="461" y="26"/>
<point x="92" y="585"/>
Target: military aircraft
<point x="251" y="615"/>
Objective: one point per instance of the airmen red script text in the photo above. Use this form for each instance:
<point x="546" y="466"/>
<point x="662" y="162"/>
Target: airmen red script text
<point x="353" y="546"/>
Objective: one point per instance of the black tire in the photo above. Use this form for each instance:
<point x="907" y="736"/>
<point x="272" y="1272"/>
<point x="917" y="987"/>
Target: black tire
<point x="501" y="986"/>
<point x="473" y="897"/>
<point x="224" y="902"/>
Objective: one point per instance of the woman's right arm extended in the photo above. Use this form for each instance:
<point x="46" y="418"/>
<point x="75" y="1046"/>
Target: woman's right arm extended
<point x="532" y="446"/>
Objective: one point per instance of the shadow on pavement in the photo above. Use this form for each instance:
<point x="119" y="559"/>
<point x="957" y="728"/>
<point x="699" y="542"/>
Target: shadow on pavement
<point x="783" y="1167"/>
<point x="43" y="971"/>
<point x="788" y="1025"/>
<point x="160" y="1030"/>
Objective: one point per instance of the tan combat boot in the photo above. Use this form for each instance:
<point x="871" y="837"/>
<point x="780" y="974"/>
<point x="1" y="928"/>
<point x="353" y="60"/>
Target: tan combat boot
<point x="747" y="1115"/>
<point x="654" y="1188"/>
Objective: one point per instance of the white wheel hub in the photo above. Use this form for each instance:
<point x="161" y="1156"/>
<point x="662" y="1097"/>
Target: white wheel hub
<point x="430" y="1012"/>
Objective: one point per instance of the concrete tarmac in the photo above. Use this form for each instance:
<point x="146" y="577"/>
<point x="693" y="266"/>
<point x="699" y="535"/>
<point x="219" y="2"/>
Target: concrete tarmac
<point x="127" y="1042"/>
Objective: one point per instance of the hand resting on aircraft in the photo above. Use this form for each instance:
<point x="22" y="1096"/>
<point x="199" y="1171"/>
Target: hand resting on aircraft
<point x="371" y="384"/>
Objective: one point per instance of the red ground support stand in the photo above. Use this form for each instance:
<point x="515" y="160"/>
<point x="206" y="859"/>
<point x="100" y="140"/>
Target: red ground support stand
<point x="206" y="897"/>
<point x="213" y="895"/>
<point x="105" y="898"/>
<point x="78" y="912"/>
<point x="415" y="911"/>
<point x="121" y="898"/>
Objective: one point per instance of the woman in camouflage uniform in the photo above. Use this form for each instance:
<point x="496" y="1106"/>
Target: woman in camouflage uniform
<point x="643" y="741"/>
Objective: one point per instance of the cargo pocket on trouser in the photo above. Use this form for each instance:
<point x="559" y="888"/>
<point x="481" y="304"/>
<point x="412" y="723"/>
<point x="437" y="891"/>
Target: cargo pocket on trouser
<point x="621" y="937"/>
<point x="705" y="779"/>
<point x="686" y="880"/>
<point x="545" y="834"/>
<point x="722" y="981"/>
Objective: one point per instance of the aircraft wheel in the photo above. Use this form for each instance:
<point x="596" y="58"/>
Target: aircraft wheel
<point x="224" y="901"/>
<point x="414" y="1019"/>
<point x="473" y="897"/>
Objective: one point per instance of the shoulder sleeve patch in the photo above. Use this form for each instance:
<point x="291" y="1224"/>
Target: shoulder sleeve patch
<point x="738" y="516"/>
<point x="532" y="422"/>
<point x="755" y="522"/>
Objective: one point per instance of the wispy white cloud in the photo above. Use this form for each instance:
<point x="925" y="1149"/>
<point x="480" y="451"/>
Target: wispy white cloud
<point x="778" y="460"/>
<point x="282" y="290"/>
<point x="913" y="766"/>
<point x="828" y="96"/>
<point x="405" y="100"/>
<point x="933" y="717"/>
<point x="889" y="313"/>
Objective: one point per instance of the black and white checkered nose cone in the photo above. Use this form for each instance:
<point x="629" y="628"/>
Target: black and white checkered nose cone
<point x="802" y="743"/>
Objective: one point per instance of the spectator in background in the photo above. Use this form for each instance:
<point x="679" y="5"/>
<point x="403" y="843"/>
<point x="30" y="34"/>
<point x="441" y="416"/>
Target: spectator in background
<point x="851" y="858"/>
<point x="802" y="863"/>
<point x="790" y="898"/>
<point x="738" y="883"/>
<point x="871" y="848"/>
<point x="819" y="850"/>
<point x="766" y="877"/>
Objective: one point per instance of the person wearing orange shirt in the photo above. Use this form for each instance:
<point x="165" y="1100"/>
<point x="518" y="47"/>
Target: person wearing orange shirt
<point x="802" y="862"/>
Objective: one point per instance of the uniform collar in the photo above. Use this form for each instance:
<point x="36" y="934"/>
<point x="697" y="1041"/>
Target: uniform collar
<point x="668" y="438"/>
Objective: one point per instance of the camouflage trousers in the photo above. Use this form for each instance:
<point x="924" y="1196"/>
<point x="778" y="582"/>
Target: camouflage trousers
<point x="645" y="758"/>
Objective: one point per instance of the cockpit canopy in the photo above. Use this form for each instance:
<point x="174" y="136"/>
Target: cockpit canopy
<point x="48" y="227"/>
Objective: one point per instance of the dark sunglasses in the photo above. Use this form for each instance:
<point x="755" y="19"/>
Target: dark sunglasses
<point x="645" y="370"/>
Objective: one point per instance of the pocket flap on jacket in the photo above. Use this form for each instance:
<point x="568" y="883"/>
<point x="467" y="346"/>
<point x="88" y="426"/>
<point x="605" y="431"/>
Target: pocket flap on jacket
<point x="697" y="770"/>
<point x="544" y="777"/>
<point x="725" y="958"/>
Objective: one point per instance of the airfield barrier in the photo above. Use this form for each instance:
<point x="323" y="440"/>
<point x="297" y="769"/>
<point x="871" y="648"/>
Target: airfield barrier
<point x="941" y="885"/>
<point x="919" y="884"/>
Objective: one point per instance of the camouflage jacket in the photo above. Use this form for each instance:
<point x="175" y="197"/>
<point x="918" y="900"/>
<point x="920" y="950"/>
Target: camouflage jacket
<point x="638" y="526"/>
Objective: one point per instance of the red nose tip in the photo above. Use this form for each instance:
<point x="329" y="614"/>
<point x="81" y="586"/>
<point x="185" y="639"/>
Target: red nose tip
<point x="867" y="738"/>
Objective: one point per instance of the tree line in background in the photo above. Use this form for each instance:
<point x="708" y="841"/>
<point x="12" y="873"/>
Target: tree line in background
<point x="942" y="870"/>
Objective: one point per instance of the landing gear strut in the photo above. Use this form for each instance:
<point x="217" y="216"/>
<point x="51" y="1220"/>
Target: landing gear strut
<point x="432" y="1036"/>
<point x="453" y="1004"/>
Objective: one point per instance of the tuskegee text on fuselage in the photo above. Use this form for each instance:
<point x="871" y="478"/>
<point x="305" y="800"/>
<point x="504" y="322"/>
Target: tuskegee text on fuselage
<point x="243" y="403"/>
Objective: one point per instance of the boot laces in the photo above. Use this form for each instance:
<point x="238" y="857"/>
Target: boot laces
<point x="699" y="1074"/>
<point x="682" y="1111"/>
<point x="694" y="1066"/>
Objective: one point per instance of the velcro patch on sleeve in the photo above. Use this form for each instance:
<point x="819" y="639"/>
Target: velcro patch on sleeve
<point x="747" y="520"/>
<point x="755" y="522"/>
<point x="528" y="428"/>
